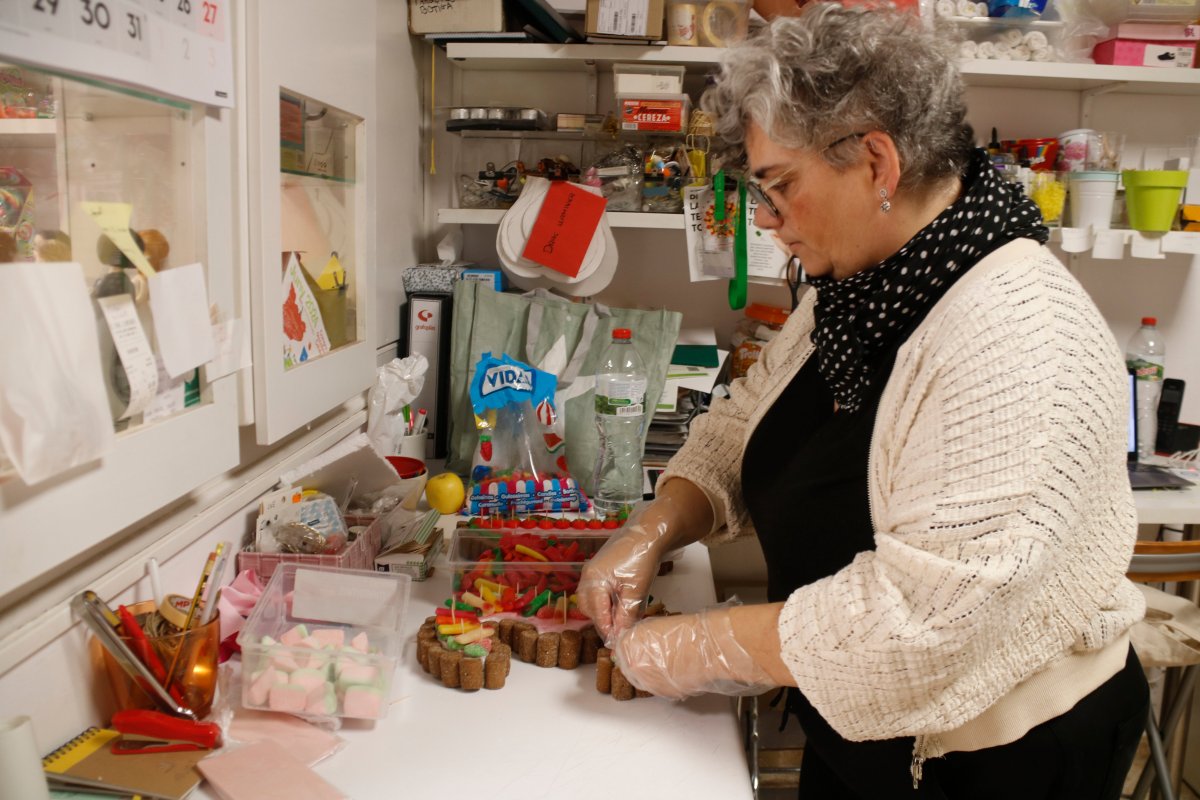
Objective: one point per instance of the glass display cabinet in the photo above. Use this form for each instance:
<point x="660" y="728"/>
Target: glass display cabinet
<point x="116" y="180"/>
<point x="310" y="192"/>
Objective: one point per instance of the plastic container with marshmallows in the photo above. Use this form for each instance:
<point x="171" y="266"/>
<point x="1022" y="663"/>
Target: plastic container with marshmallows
<point x="324" y="642"/>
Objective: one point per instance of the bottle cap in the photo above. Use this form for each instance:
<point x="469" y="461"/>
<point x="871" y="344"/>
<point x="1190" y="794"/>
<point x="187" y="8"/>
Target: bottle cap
<point x="622" y="333"/>
<point x="1149" y="320"/>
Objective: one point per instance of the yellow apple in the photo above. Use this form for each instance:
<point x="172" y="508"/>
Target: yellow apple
<point x="445" y="492"/>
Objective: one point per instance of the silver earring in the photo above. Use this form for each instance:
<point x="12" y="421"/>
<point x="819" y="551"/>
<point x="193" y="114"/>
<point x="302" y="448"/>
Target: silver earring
<point x="886" y="205"/>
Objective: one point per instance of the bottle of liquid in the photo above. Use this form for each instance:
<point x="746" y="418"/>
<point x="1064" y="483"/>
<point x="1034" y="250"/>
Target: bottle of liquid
<point x="620" y="417"/>
<point x="1146" y="356"/>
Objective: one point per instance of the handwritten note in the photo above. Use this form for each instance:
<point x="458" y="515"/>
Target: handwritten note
<point x="113" y="221"/>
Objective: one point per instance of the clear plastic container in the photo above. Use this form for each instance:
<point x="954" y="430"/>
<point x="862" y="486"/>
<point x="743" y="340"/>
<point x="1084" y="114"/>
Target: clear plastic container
<point x="324" y="642"/>
<point x="478" y="555"/>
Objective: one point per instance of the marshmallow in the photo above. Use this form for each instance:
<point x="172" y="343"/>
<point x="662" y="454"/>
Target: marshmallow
<point x="308" y="678"/>
<point x="363" y="701"/>
<point x="261" y="683"/>
<point x="294" y="636"/>
<point x="288" y="697"/>
<point x="284" y="660"/>
<point x="360" y="642"/>
<point x="356" y="674"/>
<point x="331" y="637"/>
<point x="322" y="701"/>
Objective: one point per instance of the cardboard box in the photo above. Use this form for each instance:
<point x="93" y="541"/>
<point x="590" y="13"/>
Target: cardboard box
<point x="659" y="114"/>
<point x="624" y="20"/>
<point x="455" y="16"/>
<point x="1150" y="44"/>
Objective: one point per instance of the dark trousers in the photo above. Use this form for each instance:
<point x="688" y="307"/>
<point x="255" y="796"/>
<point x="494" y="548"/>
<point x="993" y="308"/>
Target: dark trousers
<point x="1083" y="754"/>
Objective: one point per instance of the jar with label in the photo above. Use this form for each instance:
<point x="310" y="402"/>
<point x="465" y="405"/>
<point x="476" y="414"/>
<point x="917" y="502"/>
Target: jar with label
<point x="760" y="325"/>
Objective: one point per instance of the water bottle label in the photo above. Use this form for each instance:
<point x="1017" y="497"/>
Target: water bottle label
<point x="1146" y="370"/>
<point x="623" y="398"/>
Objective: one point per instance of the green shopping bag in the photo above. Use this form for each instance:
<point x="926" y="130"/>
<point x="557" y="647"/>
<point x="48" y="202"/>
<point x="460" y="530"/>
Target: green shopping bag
<point x="557" y="336"/>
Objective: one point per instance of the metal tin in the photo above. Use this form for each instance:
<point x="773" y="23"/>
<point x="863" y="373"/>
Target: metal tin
<point x="478" y="113"/>
<point x="460" y="113"/>
<point x="497" y="113"/>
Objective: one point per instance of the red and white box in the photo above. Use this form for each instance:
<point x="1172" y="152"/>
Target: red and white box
<point x="1150" y="44"/>
<point x="667" y="114"/>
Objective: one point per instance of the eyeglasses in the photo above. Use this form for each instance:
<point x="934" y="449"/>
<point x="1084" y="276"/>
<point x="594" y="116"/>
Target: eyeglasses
<point x="758" y="191"/>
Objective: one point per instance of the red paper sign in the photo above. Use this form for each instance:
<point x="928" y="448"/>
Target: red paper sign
<point x="564" y="228"/>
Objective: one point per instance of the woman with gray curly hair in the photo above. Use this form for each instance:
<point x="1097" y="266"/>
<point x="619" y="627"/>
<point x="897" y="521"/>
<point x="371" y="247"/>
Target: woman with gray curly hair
<point x="931" y="452"/>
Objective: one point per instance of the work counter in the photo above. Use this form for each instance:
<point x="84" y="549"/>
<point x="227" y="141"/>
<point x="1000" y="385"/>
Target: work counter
<point x="547" y="734"/>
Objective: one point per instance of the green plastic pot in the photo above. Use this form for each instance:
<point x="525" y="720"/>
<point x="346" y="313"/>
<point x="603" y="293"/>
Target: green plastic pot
<point x="1152" y="197"/>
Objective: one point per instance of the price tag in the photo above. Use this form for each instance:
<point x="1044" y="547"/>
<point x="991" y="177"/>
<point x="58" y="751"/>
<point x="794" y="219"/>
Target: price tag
<point x="175" y="47"/>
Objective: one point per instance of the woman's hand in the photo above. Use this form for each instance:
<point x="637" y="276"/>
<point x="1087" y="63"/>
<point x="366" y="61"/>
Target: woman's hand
<point x="615" y="582"/>
<point x="689" y="654"/>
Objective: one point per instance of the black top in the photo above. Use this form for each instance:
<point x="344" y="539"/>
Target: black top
<point x="804" y="482"/>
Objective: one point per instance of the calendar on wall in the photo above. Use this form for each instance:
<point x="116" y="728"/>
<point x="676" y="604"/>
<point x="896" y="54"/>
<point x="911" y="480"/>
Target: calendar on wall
<point x="175" y="47"/>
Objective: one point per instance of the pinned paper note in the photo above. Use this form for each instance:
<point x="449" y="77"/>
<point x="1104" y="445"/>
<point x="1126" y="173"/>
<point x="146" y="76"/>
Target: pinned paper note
<point x="232" y="349"/>
<point x="179" y="302"/>
<point x="564" y="228"/>
<point x="303" y="327"/>
<point x="171" y="397"/>
<point x="54" y="414"/>
<point x="113" y="221"/>
<point x="137" y="357"/>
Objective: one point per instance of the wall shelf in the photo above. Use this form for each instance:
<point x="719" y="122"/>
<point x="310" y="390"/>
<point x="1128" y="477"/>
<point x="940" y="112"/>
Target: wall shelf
<point x="1144" y="246"/>
<point x="617" y="219"/>
<point x="986" y="73"/>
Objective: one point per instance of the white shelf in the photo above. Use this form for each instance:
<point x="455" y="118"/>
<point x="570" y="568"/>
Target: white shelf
<point x="617" y="219"/>
<point x="1084" y="241"/>
<point x="27" y="132"/>
<point x="1011" y="74"/>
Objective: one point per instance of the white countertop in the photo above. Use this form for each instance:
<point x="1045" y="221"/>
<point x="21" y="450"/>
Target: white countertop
<point x="1168" y="506"/>
<point x="547" y="734"/>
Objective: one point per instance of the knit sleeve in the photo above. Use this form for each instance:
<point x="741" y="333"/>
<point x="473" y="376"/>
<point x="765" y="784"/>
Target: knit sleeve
<point x="1003" y="517"/>
<point x="711" y="457"/>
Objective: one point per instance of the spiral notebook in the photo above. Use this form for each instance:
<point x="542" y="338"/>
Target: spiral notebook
<point x="87" y="761"/>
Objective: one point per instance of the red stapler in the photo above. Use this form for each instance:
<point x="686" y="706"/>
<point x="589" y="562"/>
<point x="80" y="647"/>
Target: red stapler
<point x="156" y="732"/>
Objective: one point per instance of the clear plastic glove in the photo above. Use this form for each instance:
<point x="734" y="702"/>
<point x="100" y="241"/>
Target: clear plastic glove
<point x="615" y="583"/>
<point x="689" y="654"/>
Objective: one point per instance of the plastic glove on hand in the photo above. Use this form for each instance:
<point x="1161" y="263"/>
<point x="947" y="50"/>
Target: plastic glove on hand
<point x="615" y="583"/>
<point x="689" y="654"/>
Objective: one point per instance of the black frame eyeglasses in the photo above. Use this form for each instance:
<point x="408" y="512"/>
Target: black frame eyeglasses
<point x="759" y="190"/>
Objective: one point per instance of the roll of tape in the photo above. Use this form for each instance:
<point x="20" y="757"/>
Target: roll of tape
<point x="968" y="49"/>
<point x="681" y="25"/>
<point x="944" y="8"/>
<point x="174" y="609"/>
<point x="1021" y="53"/>
<point x="1012" y="37"/>
<point x="1036" y="40"/>
<point x="722" y="23"/>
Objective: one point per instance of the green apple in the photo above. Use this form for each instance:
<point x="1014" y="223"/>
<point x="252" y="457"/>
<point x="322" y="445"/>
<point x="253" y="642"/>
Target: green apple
<point x="445" y="493"/>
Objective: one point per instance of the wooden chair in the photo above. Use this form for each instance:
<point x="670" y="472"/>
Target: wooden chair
<point x="1165" y="562"/>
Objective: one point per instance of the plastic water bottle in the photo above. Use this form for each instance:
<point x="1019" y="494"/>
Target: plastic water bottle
<point x="1146" y="356"/>
<point x="620" y="415"/>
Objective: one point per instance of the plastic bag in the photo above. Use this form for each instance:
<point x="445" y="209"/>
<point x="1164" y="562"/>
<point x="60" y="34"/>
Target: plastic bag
<point x="54" y="412"/>
<point x="397" y="384"/>
<point x="520" y="464"/>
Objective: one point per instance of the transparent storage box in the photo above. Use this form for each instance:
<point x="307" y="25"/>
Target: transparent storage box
<point x="476" y="554"/>
<point x="324" y="642"/>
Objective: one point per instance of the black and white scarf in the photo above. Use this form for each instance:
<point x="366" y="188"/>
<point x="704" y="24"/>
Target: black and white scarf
<point x="858" y="318"/>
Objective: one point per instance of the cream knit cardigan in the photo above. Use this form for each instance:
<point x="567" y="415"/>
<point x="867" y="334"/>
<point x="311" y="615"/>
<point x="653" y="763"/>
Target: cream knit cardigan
<point x="1003" y="514"/>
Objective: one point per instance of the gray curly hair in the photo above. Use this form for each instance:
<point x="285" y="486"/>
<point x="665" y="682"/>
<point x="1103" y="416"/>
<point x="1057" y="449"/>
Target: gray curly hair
<point x="808" y="81"/>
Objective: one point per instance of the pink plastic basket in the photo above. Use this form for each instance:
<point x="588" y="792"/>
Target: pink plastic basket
<point x="359" y="555"/>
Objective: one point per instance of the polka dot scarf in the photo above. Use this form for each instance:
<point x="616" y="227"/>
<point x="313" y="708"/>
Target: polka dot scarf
<point x="860" y="318"/>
